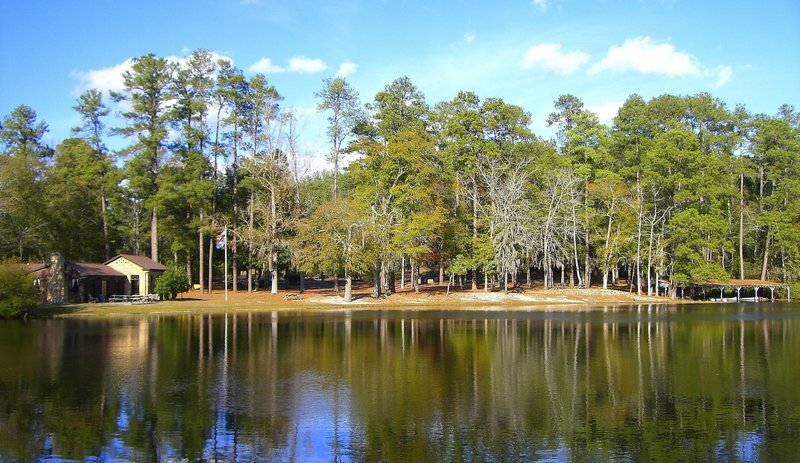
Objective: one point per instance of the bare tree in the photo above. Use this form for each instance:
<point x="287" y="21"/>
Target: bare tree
<point x="555" y="224"/>
<point x="506" y="183"/>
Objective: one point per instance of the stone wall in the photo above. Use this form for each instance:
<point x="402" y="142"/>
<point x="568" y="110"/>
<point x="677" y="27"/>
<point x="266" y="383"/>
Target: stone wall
<point x="56" y="280"/>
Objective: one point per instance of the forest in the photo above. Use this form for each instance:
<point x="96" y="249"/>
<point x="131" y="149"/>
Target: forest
<point x="679" y="189"/>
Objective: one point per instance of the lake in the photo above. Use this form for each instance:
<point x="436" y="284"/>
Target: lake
<point x="711" y="382"/>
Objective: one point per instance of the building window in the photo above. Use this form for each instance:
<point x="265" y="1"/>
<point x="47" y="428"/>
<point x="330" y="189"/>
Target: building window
<point x="134" y="284"/>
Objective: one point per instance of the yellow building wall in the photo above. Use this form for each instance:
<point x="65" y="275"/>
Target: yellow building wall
<point x="129" y="269"/>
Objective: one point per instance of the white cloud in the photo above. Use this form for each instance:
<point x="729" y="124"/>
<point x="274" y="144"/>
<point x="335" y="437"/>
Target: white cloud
<point x="550" y="58"/>
<point x="607" y="111"/>
<point x="104" y="79"/>
<point x="469" y="37"/>
<point x="646" y="56"/>
<point x="111" y="78"/>
<point x="304" y="65"/>
<point x="541" y="4"/>
<point x="265" y="66"/>
<point x="724" y="75"/>
<point x="347" y="68"/>
<point x="643" y="55"/>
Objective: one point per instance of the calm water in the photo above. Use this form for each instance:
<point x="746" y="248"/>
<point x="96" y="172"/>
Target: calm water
<point x="652" y="383"/>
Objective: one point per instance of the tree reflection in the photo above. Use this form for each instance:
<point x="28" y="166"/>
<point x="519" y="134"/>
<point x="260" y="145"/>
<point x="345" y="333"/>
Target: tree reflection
<point x="651" y="383"/>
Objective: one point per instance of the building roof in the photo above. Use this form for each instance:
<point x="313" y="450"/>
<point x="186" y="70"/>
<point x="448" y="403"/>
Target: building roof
<point x="35" y="267"/>
<point x="94" y="270"/>
<point x="142" y="261"/>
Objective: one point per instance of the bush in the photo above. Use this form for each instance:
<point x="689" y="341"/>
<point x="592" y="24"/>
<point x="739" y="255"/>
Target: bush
<point x="17" y="292"/>
<point x="172" y="282"/>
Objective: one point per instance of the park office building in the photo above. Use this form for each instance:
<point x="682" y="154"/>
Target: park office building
<point x="61" y="281"/>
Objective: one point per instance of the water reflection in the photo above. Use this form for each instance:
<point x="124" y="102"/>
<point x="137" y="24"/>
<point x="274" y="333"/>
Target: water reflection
<point x="656" y="383"/>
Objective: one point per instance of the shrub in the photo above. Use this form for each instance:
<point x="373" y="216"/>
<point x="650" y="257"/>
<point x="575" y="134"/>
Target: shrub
<point x="17" y="292"/>
<point x="173" y="281"/>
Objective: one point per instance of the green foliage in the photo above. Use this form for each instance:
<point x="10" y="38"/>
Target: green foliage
<point x="17" y="292"/>
<point x="663" y="192"/>
<point x="172" y="282"/>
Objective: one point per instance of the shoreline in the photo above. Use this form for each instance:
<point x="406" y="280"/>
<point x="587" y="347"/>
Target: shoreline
<point x="317" y="300"/>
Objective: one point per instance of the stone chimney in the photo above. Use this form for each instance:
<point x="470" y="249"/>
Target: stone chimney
<point x="56" y="280"/>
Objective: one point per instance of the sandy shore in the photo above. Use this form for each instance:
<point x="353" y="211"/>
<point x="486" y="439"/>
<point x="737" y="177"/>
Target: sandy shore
<point x="431" y="297"/>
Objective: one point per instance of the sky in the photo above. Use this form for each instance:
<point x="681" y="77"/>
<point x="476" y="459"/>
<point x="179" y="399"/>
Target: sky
<point x="527" y="52"/>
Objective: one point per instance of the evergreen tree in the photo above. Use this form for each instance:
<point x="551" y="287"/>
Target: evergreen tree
<point x="149" y="92"/>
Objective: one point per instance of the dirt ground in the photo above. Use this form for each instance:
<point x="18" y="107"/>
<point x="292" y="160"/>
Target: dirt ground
<point x="321" y="296"/>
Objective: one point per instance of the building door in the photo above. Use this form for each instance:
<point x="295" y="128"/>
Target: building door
<point x="134" y="284"/>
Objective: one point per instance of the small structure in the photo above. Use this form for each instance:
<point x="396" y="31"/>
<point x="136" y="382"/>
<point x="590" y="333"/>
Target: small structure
<point x="140" y="273"/>
<point x="60" y="281"/>
<point x="88" y="282"/>
<point x="739" y="285"/>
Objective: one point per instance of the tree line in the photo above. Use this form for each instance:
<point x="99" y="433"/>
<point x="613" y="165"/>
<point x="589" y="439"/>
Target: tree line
<point x="679" y="189"/>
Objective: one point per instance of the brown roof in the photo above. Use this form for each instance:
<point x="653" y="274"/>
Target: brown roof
<point x="142" y="261"/>
<point x="35" y="267"/>
<point x="94" y="270"/>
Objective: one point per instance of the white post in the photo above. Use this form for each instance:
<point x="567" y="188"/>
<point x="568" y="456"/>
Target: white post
<point x="225" y="238"/>
<point x="402" y="272"/>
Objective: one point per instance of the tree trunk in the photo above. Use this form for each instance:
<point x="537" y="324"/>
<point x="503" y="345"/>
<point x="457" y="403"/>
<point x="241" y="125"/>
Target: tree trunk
<point x="607" y="251"/>
<point x="575" y="245"/>
<point x="741" y="226"/>
<point x="441" y="274"/>
<point x="274" y="235"/>
<point x="154" y="235"/>
<point x="474" y="227"/>
<point x="210" y="262"/>
<point x="273" y="261"/>
<point x="586" y="256"/>
<point x="200" y="257"/>
<point x="348" y="287"/>
<point x="402" y="272"/>
<point x="415" y="266"/>
<point x="250" y="227"/>
<point x="411" y="271"/>
<point x="392" y="287"/>
<point x="639" y="219"/>
<point x="335" y="168"/>
<point x="376" y="285"/>
<point x="765" y="263"/>
<point x="104" y="216"/>
<point x="650" y="258"/>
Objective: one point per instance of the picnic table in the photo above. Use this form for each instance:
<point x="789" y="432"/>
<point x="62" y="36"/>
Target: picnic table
<point x="133" y="298"/>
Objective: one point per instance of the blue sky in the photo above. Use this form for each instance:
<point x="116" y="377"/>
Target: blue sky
<point x="527" y="52"/>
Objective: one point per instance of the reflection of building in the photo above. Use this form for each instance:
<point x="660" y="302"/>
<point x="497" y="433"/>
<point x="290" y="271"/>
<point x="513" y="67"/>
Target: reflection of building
<point x="60" y="281"/>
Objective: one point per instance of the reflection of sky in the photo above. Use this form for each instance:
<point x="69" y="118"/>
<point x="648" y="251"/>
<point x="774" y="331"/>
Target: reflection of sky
<point x="321" y="420"/>
<point x="321" y="427"/>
